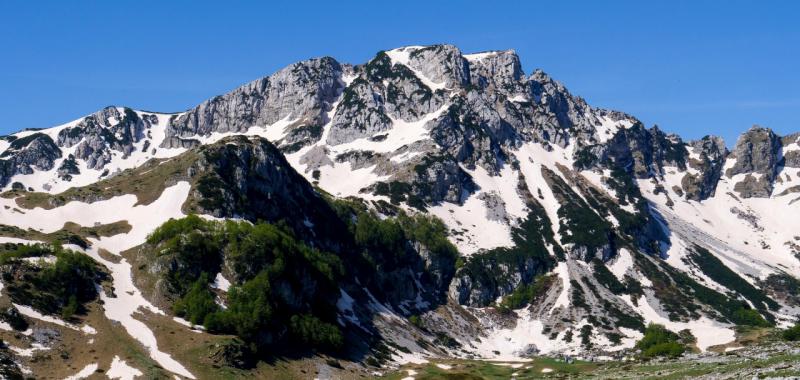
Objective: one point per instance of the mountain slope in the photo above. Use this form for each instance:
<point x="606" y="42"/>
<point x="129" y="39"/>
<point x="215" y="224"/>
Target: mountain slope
<point x="576" y="226"/>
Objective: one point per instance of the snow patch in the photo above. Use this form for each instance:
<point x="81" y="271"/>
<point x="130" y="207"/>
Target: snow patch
<point x="121" y="370"/>
<point x="84" y="373"/>
<point x="708" y="332"/>
<point x="402" y="56"/>
<point x="221" y="283"/>
<point x="477" y="57"/>
<point x="622" y="263"/>
<point x="31" y="313"/>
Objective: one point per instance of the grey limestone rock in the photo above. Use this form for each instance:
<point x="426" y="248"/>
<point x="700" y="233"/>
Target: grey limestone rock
<point x="103" y="132"/>
<point x="302" y="91"/>
<point x="757" y="154"/>
<point x="36" y="151"/>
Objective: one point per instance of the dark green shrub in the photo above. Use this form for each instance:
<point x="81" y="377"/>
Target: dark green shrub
<point x="313" y="332"/>
<point x="658" y="341"/>
<point x="668" y="349"/>
<point x="198" y="302"/>
<point x="415" y="320"/>
<point x="526" y="294"/>
<point x="749" y="317"/>
<point x="61" y="287"/>
<point x="792" y="334"/>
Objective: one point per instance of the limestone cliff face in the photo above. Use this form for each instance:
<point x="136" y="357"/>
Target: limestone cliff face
<point x="301" y="93"/>
<point x="712" y="154"/>
<point x="97" y="136"/>
<point x="756" y="156"/>
<point x="24" y="155"/>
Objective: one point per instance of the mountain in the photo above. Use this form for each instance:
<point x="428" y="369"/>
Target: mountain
<point x="425" y="204"/>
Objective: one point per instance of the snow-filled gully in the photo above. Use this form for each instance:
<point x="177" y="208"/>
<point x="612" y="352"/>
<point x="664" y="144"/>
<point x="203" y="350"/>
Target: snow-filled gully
<point x="128" y="300"/>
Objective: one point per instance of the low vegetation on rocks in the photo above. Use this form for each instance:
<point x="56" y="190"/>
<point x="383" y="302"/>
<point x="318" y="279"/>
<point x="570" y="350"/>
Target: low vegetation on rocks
<point x="285" y="293"/>
<point x="50" y="278"/>
<point x="658" y="341"/>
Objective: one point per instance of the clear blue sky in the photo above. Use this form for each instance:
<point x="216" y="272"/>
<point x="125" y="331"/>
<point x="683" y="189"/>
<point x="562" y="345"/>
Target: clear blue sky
<point x="692" y="67"/>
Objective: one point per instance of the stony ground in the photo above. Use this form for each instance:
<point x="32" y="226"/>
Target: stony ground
<point x="773" y="360"/>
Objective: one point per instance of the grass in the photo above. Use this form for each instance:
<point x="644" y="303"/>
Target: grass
<point x="194" y="351"/>
<point x="776" y="361"/>
<point x="147" y="182"/>
<point x="780" y="364"/>
<point x="69" y="233"/>
<point x="73" y="350"/>
<point x="476" y="369"/>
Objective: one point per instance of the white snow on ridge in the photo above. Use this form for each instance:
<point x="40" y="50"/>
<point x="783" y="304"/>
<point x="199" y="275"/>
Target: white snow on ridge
<point x="339" y="178"/>
<point x="596" y="179"/>
<point x="345" y="306"/>
<point x="129" y="300"/>
<point x="272" y="132"/>
<point x="48" y="181"/>
<point x="403" y="157"/>
<point x="402" y="133"/>
<point x="747" y="248"/>
<point x="609" y="127"/>
<point x="475" y="57"/>
<point x="532" y="157"/>
<point x="102" y="212"/>
<point x="31" y="313"/>
<point x="401" y="56"/>
<point x="4" y="145"/>
<point x="562" y="270"/>
<point x="789" y="178"/>
<point x="5" y="239"/>
<point x="504" y="184"/>
<point x="510" y="344"/>
<point x="221" y="283"/>
<point x="27" y="352"/>
<point x="342" y="181"/>
<point x="519" y="98"/>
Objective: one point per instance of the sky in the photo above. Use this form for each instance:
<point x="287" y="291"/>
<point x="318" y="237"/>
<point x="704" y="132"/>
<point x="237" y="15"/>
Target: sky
<point x="691" y="67"/>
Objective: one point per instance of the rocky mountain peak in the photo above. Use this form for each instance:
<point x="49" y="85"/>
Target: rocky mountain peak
<point x="756" y="155"/>
<point x="501" y="69"/>
<point x="791" y="150"/>
<point x="440" y="63"/>
<point x="299" y="94"/>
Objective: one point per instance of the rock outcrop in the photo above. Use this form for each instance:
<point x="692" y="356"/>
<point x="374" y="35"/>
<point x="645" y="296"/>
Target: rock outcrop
<point x="24" y="155"/>
<point x="301" y="93"/>
<point x="756" y="155"/>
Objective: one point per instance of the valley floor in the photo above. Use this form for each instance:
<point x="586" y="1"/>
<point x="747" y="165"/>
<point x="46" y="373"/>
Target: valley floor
<point x="773" y="360"/>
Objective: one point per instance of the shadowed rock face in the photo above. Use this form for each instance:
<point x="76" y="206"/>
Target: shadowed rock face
<point x="249" y="178"/>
